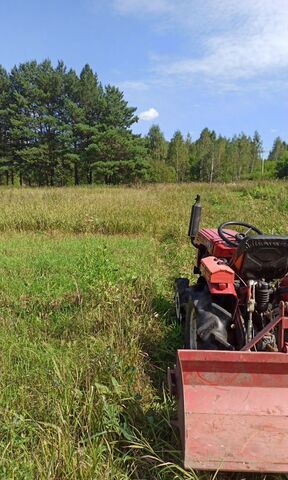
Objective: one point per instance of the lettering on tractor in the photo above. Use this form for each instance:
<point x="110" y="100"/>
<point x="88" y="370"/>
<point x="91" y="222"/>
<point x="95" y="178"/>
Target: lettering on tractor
<point x="231" y="378"/>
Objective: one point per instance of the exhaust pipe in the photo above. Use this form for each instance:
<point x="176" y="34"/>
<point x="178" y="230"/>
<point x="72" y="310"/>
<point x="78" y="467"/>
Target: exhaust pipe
<point x="195" y="219"/>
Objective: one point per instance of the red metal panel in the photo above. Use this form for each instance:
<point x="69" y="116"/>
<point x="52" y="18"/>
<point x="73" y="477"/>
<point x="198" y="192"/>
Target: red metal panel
<point x="283" y="328"/>
<point x="233" y="410"/>
<point x="215" y="271"/>
<point x="220" y="277"/>
<point x="209" y="237"/>
<point x="217" y="289"/>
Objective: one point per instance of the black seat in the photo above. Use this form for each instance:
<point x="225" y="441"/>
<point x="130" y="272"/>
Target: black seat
<point x="262" y="256"/>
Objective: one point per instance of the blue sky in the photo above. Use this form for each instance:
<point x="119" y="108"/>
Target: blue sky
<point x="186" y="64"/>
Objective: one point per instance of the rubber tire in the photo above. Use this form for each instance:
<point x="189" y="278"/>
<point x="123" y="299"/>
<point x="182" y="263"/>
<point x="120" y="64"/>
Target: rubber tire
<point x="181" y="284"/>
<point x="190" y="329"/>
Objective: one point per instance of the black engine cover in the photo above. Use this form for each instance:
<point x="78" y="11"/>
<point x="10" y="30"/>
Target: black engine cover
<point x="212" y="322"/>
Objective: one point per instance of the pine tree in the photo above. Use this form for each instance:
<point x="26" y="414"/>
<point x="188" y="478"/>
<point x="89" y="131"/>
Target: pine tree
<point x="91" y="101"/>
<point x="38" y="122"/>
<point x="115" y="112"/>
<point x="74" y="114"/>
<point x="6" y="161"/>
<point x="117" y="156"/>
<point x="23" y="106"/>
<point x="156" y="144"/>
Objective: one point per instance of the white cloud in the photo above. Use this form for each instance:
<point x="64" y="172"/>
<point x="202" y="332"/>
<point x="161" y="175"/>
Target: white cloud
<point x="149" y="115"/>
<point x="230" y="40"/>
<point x="136" y="85"/>
<point x="257" y="45"/>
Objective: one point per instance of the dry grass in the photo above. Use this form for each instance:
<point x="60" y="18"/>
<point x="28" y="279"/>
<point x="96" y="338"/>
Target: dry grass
<point x="157" y="210"/>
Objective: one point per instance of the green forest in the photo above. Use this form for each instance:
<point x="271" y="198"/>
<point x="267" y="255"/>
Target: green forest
<point x="59" y="128"/>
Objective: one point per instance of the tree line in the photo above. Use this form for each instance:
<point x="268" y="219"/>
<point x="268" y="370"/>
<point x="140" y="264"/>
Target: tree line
<point x="61" y="128"/>
<point x="58" y="128"/>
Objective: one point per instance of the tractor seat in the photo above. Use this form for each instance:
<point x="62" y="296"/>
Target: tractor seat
<point x="262" y="256"/>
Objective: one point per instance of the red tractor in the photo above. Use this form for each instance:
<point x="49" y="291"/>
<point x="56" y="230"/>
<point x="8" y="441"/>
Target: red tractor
<point x="231" y="377"/>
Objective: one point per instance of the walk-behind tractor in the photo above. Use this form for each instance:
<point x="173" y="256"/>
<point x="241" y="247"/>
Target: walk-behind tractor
<point x="231" y="377"/>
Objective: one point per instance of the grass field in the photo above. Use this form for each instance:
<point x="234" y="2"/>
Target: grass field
<point x="87" y="326"/>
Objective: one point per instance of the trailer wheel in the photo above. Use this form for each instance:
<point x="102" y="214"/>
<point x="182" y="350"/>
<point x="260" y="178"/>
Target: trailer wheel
<point x="181" y="284"/>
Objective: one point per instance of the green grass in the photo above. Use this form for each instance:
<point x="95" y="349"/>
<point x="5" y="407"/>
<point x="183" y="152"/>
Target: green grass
<point x="87" y="326"/>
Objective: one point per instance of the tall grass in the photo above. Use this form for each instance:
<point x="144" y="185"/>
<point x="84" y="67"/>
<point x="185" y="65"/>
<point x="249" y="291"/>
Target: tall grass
<point x="87" y="326"/>
<point x="157" y="210"/>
